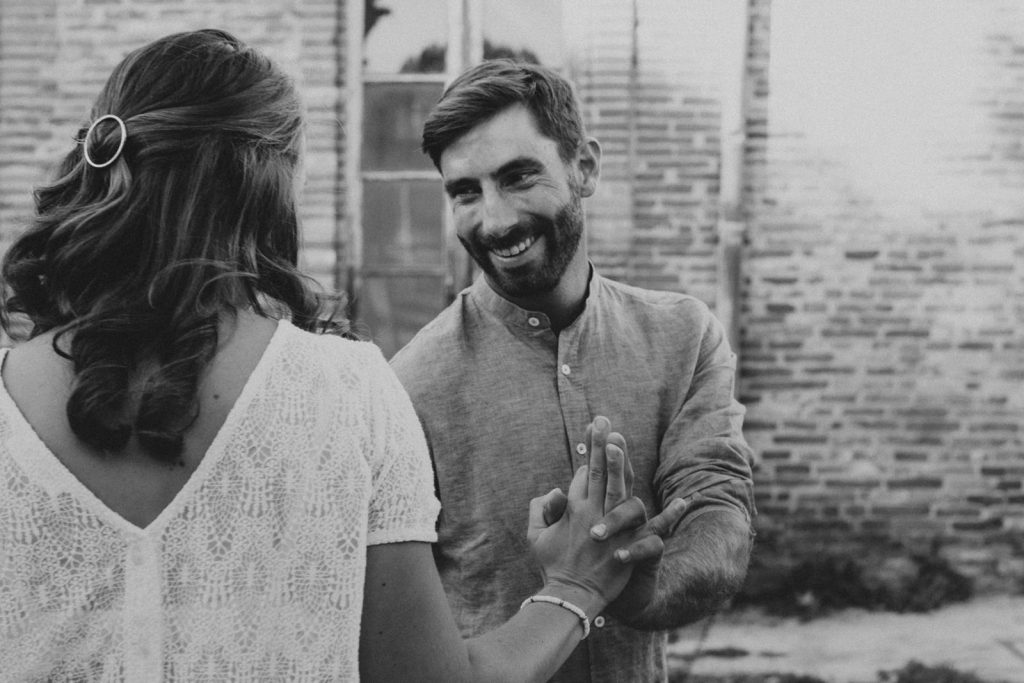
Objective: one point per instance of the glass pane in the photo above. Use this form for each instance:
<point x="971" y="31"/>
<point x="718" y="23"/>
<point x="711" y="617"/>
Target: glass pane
<point x="393" y="125"/>
<point x="392" y="309"/>
<point x="403" y="36"/>
<point x="403" y="223"/>
<point x="529" y="30"/>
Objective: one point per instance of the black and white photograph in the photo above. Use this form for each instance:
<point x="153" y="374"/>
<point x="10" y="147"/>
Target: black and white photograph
<point x="583" y="341"/>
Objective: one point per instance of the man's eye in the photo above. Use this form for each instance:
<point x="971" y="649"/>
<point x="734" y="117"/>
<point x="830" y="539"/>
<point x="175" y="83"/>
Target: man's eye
<point x="460" y="190"/>
<point x="464" y="194"/>
<point x="520" y="178"/>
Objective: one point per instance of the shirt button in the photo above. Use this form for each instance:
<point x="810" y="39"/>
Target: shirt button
<point x="581" y="448"/>
<point x="566" y="370"/>
<point x="599" y="621"/>
<point x="533" y="321"/>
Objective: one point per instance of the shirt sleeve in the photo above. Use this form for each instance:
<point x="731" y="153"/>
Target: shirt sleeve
<point x="704" y="457"/>
<point x="403" y="506"/>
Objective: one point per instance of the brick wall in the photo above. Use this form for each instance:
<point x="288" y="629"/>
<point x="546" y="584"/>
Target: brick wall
<point x="56" y="54"/>
<point x="657" y="113"/>
<point x="883" y="334"/>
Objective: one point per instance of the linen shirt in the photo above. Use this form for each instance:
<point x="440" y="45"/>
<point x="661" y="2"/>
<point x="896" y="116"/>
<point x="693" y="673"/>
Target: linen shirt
<point x="505" y="403"/>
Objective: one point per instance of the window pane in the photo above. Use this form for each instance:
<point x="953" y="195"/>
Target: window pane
<point x="393" y="125"/>
<point x="393" y="308"/>
<point x="530" y="30"/>
<point x="403" y="223"/>
<point x="405" y="36"/>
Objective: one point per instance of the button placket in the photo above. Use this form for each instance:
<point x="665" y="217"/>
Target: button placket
<point x="143" y="610"/>
<point x="572" y="397"/>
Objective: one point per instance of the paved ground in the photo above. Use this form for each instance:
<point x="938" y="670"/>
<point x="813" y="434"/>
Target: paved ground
<point x="984" y="636"/>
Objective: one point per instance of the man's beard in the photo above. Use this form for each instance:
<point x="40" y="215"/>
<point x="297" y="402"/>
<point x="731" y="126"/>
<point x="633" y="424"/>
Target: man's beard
<point x="561" y="240"/>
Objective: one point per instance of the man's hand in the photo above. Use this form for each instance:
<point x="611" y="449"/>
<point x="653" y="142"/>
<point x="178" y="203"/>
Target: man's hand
<point x="647" y="548"/>
<point x="640" y="590"/>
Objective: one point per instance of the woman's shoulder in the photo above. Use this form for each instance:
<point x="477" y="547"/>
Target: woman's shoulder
<point x="330" y="345"/>
<point x="356" y="360"/>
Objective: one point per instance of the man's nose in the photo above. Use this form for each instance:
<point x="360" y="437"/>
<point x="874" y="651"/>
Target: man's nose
<point x="498" y="214"/>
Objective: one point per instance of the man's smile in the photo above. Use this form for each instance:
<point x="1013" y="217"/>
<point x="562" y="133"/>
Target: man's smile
<point x="515" y="249"/>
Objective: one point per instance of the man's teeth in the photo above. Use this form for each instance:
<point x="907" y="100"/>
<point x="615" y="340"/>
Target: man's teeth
<point x="516" y="249"/>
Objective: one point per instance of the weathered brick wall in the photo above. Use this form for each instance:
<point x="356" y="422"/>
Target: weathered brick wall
<point x="56" y="54"/>
<point x="883" y="340"/>
<point x="657" y="116"/>
<point x="882" y="354"/>
<point x="600" y="69"/>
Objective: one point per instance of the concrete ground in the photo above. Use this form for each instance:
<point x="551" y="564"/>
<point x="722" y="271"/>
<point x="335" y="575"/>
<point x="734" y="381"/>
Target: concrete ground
<point x="984" y="636"/>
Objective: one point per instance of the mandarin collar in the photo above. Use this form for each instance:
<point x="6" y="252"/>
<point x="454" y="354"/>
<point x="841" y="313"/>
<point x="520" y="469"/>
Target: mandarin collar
<point x="522" y="318"/>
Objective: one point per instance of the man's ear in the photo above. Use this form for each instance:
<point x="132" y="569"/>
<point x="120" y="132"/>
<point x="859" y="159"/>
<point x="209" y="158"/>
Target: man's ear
<point x="589" y="164"/>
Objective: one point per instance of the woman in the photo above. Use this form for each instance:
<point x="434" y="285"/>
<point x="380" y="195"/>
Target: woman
<point x="196" y="479"/>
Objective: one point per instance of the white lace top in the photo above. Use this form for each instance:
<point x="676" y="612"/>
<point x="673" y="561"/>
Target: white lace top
<point x="255" y="570"/>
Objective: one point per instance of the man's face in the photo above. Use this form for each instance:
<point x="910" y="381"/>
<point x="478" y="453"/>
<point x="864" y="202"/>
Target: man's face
<point x="517" y="205"/>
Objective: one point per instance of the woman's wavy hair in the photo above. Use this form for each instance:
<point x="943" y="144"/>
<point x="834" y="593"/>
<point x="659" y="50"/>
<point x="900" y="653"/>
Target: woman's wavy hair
<point x="136" y="263"/>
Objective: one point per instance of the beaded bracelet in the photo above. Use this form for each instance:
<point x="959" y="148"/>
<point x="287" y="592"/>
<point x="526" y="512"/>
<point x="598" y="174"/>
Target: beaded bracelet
<point x="584" y="621"/>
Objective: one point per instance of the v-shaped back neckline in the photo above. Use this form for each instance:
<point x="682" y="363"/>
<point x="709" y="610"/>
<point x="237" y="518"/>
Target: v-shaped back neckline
<point x="46" y="470"/>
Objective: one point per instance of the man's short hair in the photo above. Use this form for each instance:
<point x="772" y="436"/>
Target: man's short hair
<point x="491" y="87"/>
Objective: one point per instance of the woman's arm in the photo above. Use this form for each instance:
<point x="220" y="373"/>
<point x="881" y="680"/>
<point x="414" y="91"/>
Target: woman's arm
<point x="408" y="632"/>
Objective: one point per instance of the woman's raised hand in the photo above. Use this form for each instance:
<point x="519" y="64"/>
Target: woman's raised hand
<point x="408" y="632"/>
<point x="579" y="540"/>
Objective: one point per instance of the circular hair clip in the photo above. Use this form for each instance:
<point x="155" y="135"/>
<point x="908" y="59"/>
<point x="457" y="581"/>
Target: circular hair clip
<point x="120" y="146"/>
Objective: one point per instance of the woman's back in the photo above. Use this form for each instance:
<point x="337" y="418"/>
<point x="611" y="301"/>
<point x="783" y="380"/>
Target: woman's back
<point x="132" y="484"/>
<point x="255" y="567"/>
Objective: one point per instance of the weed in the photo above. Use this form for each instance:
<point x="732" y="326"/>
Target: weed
<point x="911" y="672"/>
<point x="916" y="672"/>
<point x="828" y="582"/>
<point x="748" y="678"/>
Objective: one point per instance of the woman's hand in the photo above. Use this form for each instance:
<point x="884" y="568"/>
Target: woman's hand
<point x="635" y="539"/>
<point x="560" y="529"/>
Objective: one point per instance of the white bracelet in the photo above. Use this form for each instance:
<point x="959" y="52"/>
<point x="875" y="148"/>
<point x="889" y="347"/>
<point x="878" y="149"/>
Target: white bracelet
<point x="584" y="621"/>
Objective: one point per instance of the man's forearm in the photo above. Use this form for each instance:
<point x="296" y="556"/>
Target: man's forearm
<point x="704" y="565"/>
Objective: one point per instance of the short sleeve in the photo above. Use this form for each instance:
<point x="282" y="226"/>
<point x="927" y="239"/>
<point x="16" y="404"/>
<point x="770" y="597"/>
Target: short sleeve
<point x="403" y="506"/>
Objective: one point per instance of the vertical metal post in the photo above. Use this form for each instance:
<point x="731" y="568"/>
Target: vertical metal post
<point x="466" y="48"/>
<point x="732" y="219"/>
<point x="352" y="99"/>
<point x="633" y="87"/>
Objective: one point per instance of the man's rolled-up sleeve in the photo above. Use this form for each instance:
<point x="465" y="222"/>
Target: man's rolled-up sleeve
<point x="703" y="455"/>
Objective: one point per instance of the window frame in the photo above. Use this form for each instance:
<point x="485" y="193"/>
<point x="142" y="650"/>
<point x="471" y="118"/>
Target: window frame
<point x="464" y="47"/>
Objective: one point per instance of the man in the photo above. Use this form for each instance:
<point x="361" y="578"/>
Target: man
<point x="506" y="379"/>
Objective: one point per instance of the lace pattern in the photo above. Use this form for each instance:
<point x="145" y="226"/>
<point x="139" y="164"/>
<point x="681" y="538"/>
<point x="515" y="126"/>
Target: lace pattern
<point x="255" y="571"/>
